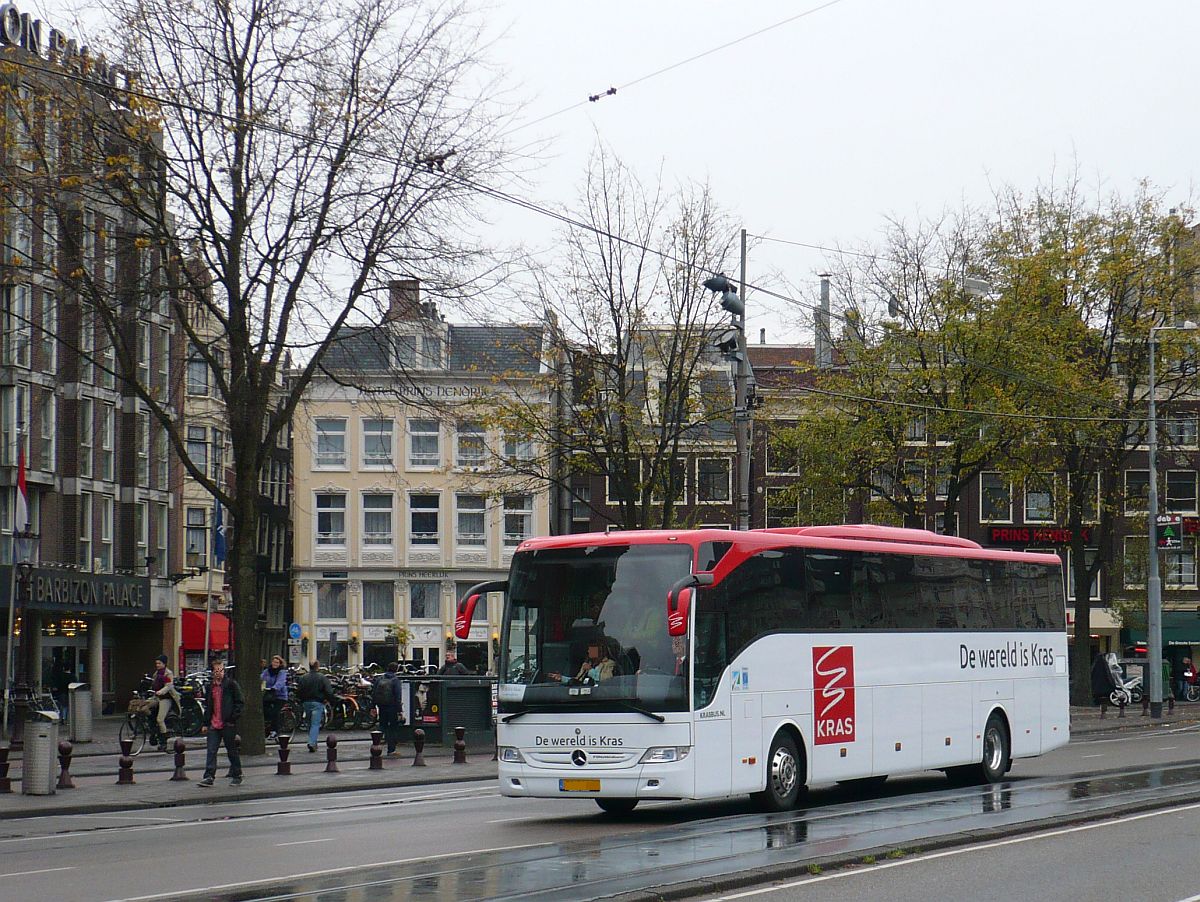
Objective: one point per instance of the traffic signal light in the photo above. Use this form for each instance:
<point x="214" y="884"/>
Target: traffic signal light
<point x="730" y="301"/>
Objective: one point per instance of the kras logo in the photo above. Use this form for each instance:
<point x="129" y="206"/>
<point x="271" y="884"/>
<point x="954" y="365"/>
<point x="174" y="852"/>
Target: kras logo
<point x="833" y="694"/>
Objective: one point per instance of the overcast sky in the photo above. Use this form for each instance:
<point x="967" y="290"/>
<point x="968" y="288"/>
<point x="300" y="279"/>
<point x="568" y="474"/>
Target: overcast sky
<point x="817" y="130"/>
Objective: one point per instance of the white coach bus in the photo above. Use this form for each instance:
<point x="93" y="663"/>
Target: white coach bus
<point x="704" y="664"/>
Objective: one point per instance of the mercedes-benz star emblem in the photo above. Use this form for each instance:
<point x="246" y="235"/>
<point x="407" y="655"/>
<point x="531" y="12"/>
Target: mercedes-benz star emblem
<point x="579" y="757"/>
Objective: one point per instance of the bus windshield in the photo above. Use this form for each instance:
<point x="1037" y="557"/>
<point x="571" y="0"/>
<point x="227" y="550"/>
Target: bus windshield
<point x="586" y="628"/>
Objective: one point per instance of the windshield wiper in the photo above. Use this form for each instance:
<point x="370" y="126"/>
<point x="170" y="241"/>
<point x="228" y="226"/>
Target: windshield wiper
<point x="638" y="709"/>
<point x="528" y="710"/>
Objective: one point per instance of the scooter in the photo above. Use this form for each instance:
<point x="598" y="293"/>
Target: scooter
<point x="1128" y="693"/>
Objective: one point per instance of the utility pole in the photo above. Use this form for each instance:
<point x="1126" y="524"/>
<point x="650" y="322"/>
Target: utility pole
<point x="741" y="422"/>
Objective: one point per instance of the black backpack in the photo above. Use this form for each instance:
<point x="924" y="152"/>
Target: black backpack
<point x="382" y="692"/>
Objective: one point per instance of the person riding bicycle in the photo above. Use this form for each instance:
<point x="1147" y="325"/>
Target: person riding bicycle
<point x="164" y="696"/>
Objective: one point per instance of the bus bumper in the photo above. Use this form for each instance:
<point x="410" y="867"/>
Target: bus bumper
<point x="645" y="781"/>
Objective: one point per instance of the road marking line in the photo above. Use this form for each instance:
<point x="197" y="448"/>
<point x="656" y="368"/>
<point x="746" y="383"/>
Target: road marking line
<point x="42" y="871"/>
<point x="1091" y="756"/>
<point x="304" y="842"/>
<point x="1168" y="748"/>
<point x="203" y="890"/>
<point x="1079" y="828"/>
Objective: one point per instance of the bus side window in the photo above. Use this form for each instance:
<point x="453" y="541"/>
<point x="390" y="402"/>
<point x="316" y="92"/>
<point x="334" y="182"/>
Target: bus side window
<point x="712" y="655"/>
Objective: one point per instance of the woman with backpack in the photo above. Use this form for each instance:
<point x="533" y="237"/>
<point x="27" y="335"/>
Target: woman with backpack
<point x="275" y="693"/>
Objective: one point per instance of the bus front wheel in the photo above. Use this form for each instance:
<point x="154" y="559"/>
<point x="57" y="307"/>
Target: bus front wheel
<point x="785" y="777"/>
<point x="617" y="806"/>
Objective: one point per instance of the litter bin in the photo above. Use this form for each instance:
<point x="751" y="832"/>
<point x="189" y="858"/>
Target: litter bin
<point x="38" y="772"/>
<point x="80" y="702"/>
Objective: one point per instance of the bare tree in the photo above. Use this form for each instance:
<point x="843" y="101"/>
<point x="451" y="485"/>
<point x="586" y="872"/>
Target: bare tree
<point x="269" y="169"/>
<point x="638" y="381"/>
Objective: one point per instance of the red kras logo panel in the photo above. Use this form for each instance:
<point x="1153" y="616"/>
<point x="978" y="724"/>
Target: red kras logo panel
<point x="833" y="694"/>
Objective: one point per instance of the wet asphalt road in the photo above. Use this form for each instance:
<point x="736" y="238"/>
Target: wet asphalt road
<point x="466" y="841"/>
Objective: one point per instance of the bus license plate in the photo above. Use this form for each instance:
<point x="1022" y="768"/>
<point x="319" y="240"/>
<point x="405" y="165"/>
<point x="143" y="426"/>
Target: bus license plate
<point x="578" y="785"/>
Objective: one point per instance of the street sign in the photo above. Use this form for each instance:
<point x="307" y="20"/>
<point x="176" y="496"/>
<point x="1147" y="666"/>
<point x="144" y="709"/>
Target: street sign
<point x="294" y="631"/>
<point x="1169" y="531"/>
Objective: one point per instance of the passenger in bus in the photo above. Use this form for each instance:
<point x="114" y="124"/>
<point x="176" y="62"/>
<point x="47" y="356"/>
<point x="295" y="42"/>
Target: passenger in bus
<point x="598" y="666"/>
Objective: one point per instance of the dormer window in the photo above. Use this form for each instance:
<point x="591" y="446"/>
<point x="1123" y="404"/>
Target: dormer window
<point x="422" y="351"/>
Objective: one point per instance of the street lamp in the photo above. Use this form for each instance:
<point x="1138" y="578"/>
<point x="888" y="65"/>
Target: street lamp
<point x="16" y="689"/>
<point x="1153" y="682"/>
<point x="732" y="343"/>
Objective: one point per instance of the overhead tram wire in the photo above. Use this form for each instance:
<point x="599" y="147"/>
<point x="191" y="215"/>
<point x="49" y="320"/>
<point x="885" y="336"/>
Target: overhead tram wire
<point x="665" y="69"/>
<point x="499" y="194"/>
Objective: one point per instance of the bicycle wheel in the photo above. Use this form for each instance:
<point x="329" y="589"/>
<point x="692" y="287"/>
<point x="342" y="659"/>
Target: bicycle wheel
<point x="1193" y="693"/>
<point x="190" y="721"/>
<point x="336" y="715"/>
<point x="134" y="730"/>
<point x="287" y="721"/>
<point x="368" y="717"/>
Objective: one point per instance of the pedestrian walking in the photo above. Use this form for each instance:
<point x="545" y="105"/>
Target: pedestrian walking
<point x="386" y="695"/>
<point x="314" y="690"/>
<point x="224" y="703"/>
<point x="275" y="693"/>
<point x="1103" y="683"/>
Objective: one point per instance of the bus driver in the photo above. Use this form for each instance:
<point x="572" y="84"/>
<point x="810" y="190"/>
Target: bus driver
<point x="598" y="666"/>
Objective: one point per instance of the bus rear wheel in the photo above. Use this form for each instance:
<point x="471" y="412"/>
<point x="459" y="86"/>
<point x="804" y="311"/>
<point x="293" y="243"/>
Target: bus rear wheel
<point x="785" y="777"/>
<point x="995" y="760"/>
<point x="617" y="806"/>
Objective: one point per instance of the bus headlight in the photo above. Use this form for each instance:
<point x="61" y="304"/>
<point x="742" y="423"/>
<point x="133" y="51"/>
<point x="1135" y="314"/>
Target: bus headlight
<point x="665" y="754"/>
<point x="511" y="755"/>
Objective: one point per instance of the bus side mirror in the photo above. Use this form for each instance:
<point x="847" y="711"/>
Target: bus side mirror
<point x="679" y="605"/>
<point x="466" y="613"/>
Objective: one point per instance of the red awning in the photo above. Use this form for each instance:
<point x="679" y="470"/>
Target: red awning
<point x="193" y="631"/>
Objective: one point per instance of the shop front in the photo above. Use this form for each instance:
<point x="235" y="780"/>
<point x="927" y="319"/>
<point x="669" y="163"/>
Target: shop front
<point x="96" y="628"/>
<point x="191" y="643"/>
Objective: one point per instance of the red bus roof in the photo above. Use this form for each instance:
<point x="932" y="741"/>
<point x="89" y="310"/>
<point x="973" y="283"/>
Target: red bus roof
<point x="849" y="537"/>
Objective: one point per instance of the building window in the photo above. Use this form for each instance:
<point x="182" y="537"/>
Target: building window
<point x="581" y="505"/>
<point x="108" y="428"/>
<point x="164" y="361"/>
<point x="197" y="372"/>
<point x="1181" y="491"/>
<point x="331" y="601"/>
<point x="1180" y="431"/>
<point x="1137" y="491"/>
<point x="379" y="601"/>
<point x="995" y="498"/>
<point x="18" y="329"/>
<point x="471" y="529"/>
<point x="377" y="519"/>
<point x="783" y="507"/>
<point x="431" y="351"/>
<point x="162" y="531"/>
<point x="85" y="530"/>
<point x="141" y="532"/>
<point x="914" y="431"/>
<point x="106" y="532"/>
<point x="88" y="240"/>
<point x="196" y="537"/>
<point x="470" y="445"/>
<point x="108" y="364"/>
<point x="331" y="519"/>
<point x="517" y="449"/>
<point x="377" y="443"/>
<point x="518" y="519"/>
<point x="49" y="429"/>
<point x="331" y="442"/>
<point x="1134" y="562"/>
<point x="86" y="432"/>
<point x="1039" y="498"/>
<point x="406" y="351"/>
<point x="713" y="480"/>
<point x="87" y="344"/>
<point x="1094" y="590"/>
<point x="110" y="254"/>
<point x="20" y="229"/>
<point x="633" y="469"/>
<point x="424" y="600"/>
<point x="217" y="473"/>
<point x="939" y="523"/>
<point x="49" y="330"/>
<point x="423" y="450"/>
<point x="1179" y="565"/>
<point x="781" y="455"/>
<point x="423" y="526"/>
<point x="143" y="354"/>
<point x="941" y="481"/>
<point x="197" y="447"/>
<point x="162" y="457"/>
<point x="143" y="449"/>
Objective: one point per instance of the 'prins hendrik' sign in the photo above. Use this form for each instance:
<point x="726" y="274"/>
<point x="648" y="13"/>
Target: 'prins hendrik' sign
<point x="1034" y="535"/>
<point x="18" y="29"/>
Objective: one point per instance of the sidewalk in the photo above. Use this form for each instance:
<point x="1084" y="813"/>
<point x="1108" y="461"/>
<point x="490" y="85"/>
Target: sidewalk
<point x="1086" y="720"/>
<point x="94" y="768"/>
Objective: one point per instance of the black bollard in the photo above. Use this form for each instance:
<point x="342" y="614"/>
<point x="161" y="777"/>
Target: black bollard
<point x="331" y="765"/>
<point x="460" y="745"/>
<point x="180" y="749"/>
<point x="64" y="763"/>
<point x="5" y="779"/>
<point x="284" y="767"/>
<point x="418" y="748"/>
<point x="376" y="750"/>
<point x="125" y="764"/>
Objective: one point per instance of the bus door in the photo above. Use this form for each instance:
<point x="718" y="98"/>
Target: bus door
<point x="711" y="698"/>
<point x="745" y="710"/>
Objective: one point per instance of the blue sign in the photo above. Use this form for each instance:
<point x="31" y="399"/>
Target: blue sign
<point x="294" y="631"/>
